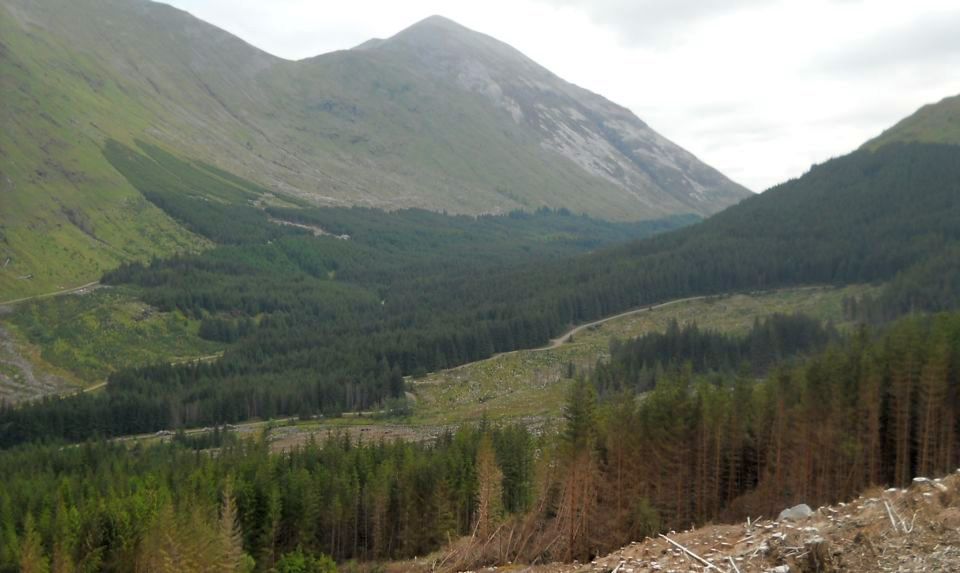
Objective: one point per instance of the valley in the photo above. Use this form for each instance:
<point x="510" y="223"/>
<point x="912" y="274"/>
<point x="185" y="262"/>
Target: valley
<point x="422" y="304"/>
<point x="311" y="347"/>
<point x="534" y="383"/>
<point x="531" y="386"/>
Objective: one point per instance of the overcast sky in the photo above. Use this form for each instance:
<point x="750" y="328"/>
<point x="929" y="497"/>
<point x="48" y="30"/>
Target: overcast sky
<point x="760" y="89"/>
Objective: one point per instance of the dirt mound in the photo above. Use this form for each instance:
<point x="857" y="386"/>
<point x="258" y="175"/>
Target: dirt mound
<point x="901" y="530"/>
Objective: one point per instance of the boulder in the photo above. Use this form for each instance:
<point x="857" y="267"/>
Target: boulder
<point x="795" y="513"/>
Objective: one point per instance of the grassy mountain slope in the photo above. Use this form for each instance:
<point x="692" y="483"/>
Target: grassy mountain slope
<point x="67" y="215"/>
<point x="368" y="127"/>
<point x="933" y="123"/>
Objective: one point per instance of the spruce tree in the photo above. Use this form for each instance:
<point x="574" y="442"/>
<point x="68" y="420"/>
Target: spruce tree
<point x="32" y="556"/>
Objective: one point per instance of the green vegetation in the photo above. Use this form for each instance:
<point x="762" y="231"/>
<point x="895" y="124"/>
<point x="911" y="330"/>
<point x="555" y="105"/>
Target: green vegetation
<point x="203" y="202"/>
<point x="316" y="320"/>
<point x="95" y="334"/>
<point x="731" y="424"/>
<point x="877" y="407"/>
<point x="636" y="365"/>
<point x="340" y="322"/>
<point x="173" y="508"/>
<point x="532" y="384"/>
<point x="67" y="216"/>
<point x="931" y="285"/>
<point x="933" y="123"/>
<point x="321" y="313"/>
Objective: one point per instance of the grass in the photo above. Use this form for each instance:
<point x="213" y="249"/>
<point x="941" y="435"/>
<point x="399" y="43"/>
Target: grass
<point x="533" y="383"/>
<point x="91" y="335"/>
<point x="67" y="216"/>
<point x="933" y="123"/>
<point x="94" y="334"/>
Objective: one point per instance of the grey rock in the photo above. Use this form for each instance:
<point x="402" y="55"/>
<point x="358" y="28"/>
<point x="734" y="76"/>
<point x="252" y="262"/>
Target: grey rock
<point x="795" y="513"/>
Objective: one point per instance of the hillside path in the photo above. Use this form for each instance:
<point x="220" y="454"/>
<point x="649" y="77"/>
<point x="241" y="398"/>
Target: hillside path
<point x="71" y="290"/>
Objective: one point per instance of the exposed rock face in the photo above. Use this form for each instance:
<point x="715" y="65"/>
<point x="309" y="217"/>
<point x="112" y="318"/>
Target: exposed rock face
<point x="602" y="138"/>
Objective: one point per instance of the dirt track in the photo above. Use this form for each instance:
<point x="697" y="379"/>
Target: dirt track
<point x="71" y="290"/>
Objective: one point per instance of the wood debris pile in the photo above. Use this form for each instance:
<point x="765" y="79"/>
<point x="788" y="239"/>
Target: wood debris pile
<point x="897" y="530"/>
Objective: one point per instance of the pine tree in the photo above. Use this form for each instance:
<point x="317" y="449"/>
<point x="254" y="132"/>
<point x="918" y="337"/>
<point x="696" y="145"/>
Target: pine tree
<point x="271" y="527"/>
<point x="65" y="539"/>
<point x="32" y="557"/>
<point x="579" y="415"/>
<point x="904" y="371"/>
<point x="578" y="499"/>
<point x="489" y="505"/>
<point x="230" y="536"/>
<point x="869" y="409"/>
<point x="931" y="404"/>
<point x="9" y="545"/>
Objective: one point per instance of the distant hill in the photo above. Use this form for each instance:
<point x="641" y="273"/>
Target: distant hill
<point x="437" y="117"/>
<point x="933" y="123"/>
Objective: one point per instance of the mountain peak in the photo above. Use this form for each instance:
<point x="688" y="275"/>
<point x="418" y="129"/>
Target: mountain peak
<point x="436" y="26"/>
<point x="433" y="30"/>
<point x="605" y="140"/>
<point x="438" y="21"/>
<point x="441" y="34"/>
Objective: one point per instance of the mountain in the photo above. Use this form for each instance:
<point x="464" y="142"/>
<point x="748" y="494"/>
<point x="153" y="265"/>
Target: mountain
<point x="933" y="123"/>
<point x="437" y="116"/>
<point x="601" y="137"/>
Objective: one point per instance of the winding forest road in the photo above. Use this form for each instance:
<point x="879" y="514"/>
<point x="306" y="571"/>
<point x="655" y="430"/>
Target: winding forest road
<point x="565" y="337"/>
<point x="557" y="342"/>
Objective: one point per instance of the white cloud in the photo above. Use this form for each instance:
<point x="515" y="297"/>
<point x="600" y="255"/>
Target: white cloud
<point x="641" y="22"/>
<point x="760" y="89"/>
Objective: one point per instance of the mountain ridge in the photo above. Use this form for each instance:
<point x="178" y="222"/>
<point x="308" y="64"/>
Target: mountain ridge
<point x="377" y="126"/>
<point x="589" y="129"/>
